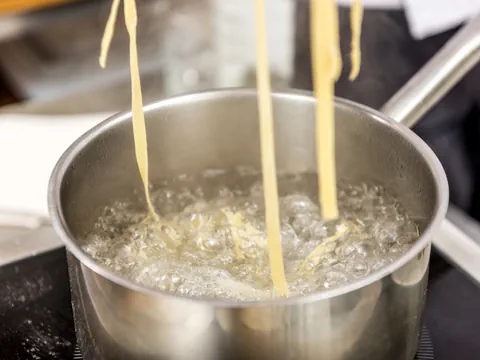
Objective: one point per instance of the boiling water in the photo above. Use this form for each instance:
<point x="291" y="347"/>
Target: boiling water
<point x="211" y="241"/>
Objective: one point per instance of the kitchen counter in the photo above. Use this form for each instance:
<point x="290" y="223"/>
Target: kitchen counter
<point x="15" y="242"/>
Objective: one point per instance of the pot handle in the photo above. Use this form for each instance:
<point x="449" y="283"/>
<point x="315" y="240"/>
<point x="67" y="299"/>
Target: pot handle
<point x="418" y="96"/>
<point x="428" y="86"/>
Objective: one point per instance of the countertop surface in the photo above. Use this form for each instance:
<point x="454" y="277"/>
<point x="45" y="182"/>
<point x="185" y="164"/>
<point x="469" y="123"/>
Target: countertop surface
<point x="109" y="99"/>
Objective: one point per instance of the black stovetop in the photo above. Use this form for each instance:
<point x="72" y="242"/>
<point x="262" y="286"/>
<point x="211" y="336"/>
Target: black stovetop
<point x="36" y="319"/>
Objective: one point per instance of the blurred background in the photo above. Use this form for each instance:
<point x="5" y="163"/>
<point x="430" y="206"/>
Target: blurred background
<point x="50" y="48"/>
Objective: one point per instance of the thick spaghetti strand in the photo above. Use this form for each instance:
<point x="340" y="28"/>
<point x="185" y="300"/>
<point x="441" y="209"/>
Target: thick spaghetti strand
<point x="324" y="31"/>
<point x="108" y="34"/>
<point x="138" y="117"/>
<point x="337" y="53"/>
<point x="268" y="154"/>
<point x="356" y="19"/>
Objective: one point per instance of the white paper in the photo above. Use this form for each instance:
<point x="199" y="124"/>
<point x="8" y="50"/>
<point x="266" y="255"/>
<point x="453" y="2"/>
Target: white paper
<point x="427" y="17"/>
<point x="30" y="146"/>
<point x="430" y="17"/>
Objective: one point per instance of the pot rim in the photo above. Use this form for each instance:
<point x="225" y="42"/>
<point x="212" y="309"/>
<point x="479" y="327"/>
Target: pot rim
<point x="60" y="225"/>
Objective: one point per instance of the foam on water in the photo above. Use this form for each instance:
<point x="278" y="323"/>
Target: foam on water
<point x="212" y="242"/>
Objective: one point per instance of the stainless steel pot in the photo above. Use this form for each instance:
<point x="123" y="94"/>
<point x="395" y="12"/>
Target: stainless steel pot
<point x="375" y="318"/>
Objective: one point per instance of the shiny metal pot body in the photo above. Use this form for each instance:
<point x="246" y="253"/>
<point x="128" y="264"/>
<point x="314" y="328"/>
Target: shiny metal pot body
<point x="375" y="318"/>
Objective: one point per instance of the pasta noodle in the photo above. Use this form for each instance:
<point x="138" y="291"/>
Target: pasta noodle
<point x="356" y="18"/>
<point x="268" y="154"/>
<point x="138" y="117"/>
<point x="108" y="35"/>
<point x="326" y="69"/>
<point x="325" y="65"/>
